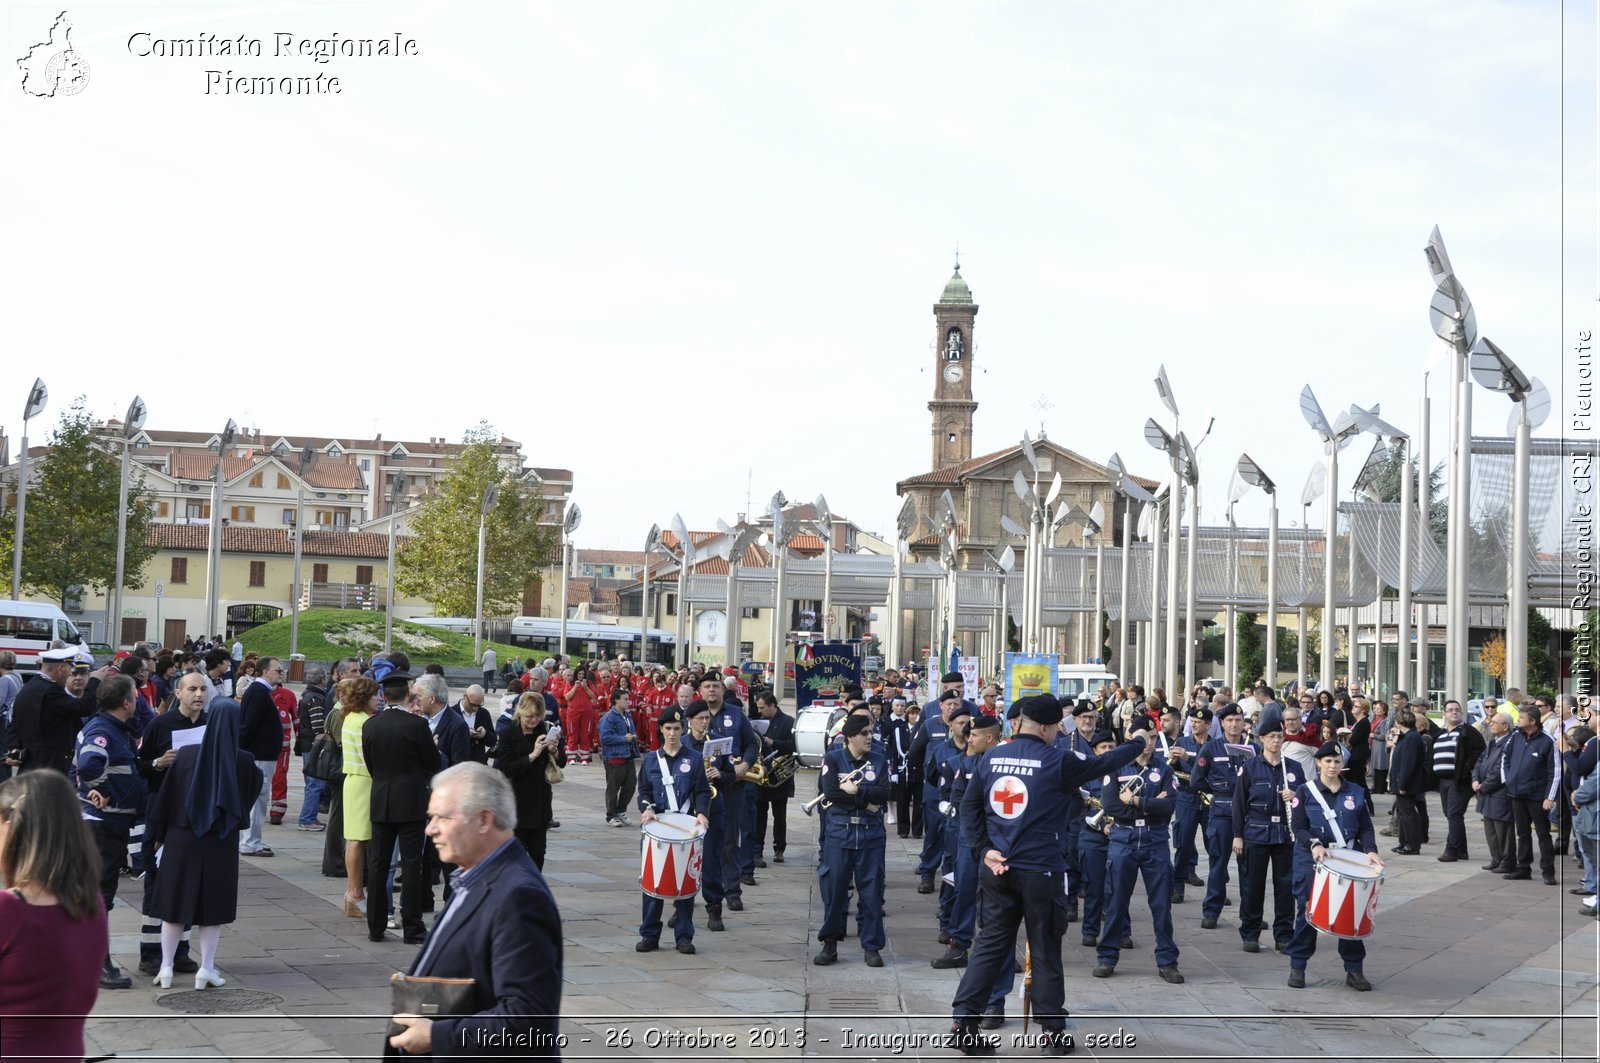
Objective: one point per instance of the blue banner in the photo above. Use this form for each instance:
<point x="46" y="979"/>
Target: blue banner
<point x="1029" y="673"/>
<point x="822" y="667"/>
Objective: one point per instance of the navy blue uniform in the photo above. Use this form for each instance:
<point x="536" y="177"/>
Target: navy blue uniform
<point x="1016" y="803"/>
<point x="1093" y="847"/>
<point x="1216" y="773"/>
<point x="1139" y="845"/>
<point x="947" y="761"/>
<point x="739" y="815"/>
<point x="852" y="846"/>
<point x="107" y="762"/>
<point x="1074" y="742"/>
<point x="1261" y="818"/>
<point x="1353" y="814"/>
<point x="685" y="775"/>
<point x="930" y="732"/>
<point x="1186" y="820"/>
<point x="711" y="877"/>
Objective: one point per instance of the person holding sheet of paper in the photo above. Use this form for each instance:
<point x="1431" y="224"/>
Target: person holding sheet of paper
<point x="169" y="732"/>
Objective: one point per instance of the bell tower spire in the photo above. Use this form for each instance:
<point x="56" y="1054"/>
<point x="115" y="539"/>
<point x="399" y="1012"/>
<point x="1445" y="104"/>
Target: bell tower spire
<point x="952" y="406"/>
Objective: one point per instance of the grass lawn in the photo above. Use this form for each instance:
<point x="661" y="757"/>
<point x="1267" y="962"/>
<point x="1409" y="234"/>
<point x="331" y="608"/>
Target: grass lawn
<point x="329" y="633"/>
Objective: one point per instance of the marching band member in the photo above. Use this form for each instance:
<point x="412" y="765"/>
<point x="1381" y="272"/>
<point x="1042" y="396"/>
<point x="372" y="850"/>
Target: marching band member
<point x="1329" y="813"/>
<point x="1080" y="743"/>
<point x="1011" y="815"/>
<point x="1138" y="798"/>
<point x="729" y="720"/>
<point x="935" y="725"/>
<point x="698" y="717"/>
<point x="855" y="780"/>
<point x="673" y="780"/>
<point x="1093" y="846"/>
<point x="1262" y="799"/>
<point x="778" y="740"/>
<point x="1191" y="810"/>
<point x="946" y="760"/>
<point x="1216" y="773"/>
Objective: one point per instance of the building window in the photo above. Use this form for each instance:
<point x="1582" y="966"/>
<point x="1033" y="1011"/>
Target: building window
<point x="255" y="481"/>
<point x="258" y="573"/>
<point x="341" y="519"/>
<point x="246" y="514"/>
<point x="288" y="516"/>
<point x="283" y="482"/>
<point x="672" y="605"/>
<point x="197" y="510"/>
<point x="180" y="570"/>
<point x="162" y="509"/>
<point x="319" y="573"/>
<point x="363" y="573"/>
<point x="366" y="464"/>
<point x="750" y="612"/>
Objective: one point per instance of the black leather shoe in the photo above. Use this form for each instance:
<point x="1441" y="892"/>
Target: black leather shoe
<point x="748" y="879"/>
<point x="828" y="955"/>
<point x="1357" y="981"/>
<point x="646" y="945"/>
<point x="377" y="937"/>
<point x="1072" y="910"/>
<point x="415" y="940"/>
<point x="714" y="917"/>
<point x="760" y="863"/>
<point x="1088" y="942"/>
<point x="1282" y="948"/>
<point x="1170" y="973"/>
<point x="1549" y="878"/>
<point x="954" y="956"/>
<point x="686" y="947"/>
<point x="1103" y="970"/>
<point x="926" y="885"/>
<point x="969" y="1042"/>
<point x="1227" y="901"/>
<point x="944" y="937"/>
<point x="874" y="958"/>
<point x="1126" y="942"/>
<point x="993" y="1018"/>
<point x="735" y="904"/>
<point x="1058" y="1043"/>
<point x="111" y="977"/>
<point x="1177" y="896"/>
<point x="1517" y="876"/>
<point x="555" y="824"/>
<point x="1496" y="868"/>
<point x="1447" y="858"/>
<point x="1194" y="880"/>
<point x="777" y="858"/>
<point x="1208" y="923"/>
<point x="1252" y="946"/>
<point x="1297" y="978"/>
<point x="1401" y="850"/>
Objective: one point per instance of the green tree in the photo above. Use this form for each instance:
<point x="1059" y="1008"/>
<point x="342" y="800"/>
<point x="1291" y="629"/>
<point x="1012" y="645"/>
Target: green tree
<point x="1251" y="656"/>
<point x="70" y="538"/>
<point x="438" y="561"/>
<point x="1388" y="484"/>
<point x="1541" y="666"/>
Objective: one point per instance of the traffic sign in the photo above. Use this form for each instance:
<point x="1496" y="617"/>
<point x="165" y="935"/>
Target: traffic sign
<point x="161" y="589"/>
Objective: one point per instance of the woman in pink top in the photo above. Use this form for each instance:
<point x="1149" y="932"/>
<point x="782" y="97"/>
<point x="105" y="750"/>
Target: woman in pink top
<point x="53" y="935"/>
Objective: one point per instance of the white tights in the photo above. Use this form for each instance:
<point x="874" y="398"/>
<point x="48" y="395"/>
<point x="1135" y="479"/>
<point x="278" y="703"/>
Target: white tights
<point x="206" y="937"/>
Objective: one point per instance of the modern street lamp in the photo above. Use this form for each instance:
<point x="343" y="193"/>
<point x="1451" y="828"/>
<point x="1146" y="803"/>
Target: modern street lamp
<point x="824" y="526"/>
<point x="1004" y="562"/>
<point x="130" y="428"/>
<point x="1335" y="437"/>
<point x="783" y="532"/>
<point x="1250" y="474"/>
<point x="397" y="491"/>
<point x="1131" y="493"/>
<point x="906" y="524"/>
<point x="685" y="563"/>
<point x="569" y="524"/>
<point x="491" y="497"/>
<point x="37" y="397"/>
<point x="308" y="458"/>
<point x="214" y="547"/>
<point x="1369" y="421"/>
<point x="1316" y="483"/>
<point x="652" y="543"/>
<point x="734" y="544"/>
<point x="1493" y="369"/>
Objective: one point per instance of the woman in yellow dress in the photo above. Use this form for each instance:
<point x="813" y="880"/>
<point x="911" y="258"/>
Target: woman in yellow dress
<point x="357" y="697"/>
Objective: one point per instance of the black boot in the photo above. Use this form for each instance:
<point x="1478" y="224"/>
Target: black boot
<point x="1072" y="909"/>
<point x="113" y="978"/>
<point x="828" y="955"/>
<point x="714" y="917"/>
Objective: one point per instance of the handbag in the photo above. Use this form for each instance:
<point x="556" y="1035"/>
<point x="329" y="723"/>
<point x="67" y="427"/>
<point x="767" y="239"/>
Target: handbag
<point x="326" y="761"/>
<point x="432" y="998"/>
<point x="552" y="771"/>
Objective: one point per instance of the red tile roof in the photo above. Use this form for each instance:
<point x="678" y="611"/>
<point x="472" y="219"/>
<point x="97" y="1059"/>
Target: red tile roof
<point x="610" y="557"/>
<point x="196" y="537"/>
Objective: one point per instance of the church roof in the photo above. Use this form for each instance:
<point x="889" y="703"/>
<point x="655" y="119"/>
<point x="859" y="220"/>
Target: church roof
<point x="956" y="290"/>
<point x="954" y="474"/>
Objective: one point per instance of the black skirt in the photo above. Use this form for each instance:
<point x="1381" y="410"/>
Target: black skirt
<point x="197" y="883"/>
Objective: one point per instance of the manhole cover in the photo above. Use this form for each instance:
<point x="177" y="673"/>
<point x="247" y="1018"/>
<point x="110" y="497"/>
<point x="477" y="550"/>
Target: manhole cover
<point x="218" y="1001"/>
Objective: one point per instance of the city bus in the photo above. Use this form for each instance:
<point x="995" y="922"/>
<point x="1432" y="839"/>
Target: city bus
<point x="585" y="638"/>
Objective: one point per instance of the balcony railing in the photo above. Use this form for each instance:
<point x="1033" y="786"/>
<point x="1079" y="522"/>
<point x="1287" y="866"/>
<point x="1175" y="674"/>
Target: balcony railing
<point x="343" y="595"/>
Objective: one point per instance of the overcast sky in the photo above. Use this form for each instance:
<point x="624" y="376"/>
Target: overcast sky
<point x="685" y="248"/>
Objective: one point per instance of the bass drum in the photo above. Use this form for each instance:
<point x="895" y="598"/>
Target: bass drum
<point x="811" y="732"/>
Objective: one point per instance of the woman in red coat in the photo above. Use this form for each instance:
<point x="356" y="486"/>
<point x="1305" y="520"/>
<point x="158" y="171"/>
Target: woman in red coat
<point x="582" y="716"/>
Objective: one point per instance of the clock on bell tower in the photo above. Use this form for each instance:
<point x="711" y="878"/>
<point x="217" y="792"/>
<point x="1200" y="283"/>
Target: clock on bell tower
<point x="952" y="406"/>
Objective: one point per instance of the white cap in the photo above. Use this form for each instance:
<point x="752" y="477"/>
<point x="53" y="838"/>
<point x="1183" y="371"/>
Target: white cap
<point x="83" y="657"/>
<point x="63" y="653"/>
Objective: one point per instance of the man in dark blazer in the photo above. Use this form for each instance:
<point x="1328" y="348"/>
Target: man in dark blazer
<point x="450" y="731"/>
<point x="778" y="739"/>
<point x="1494" y="804"/>
<point x="1408" y="775"/>
<point x="400" y="755"/>
<point x="501" y="929"/>
<point x="261" y="736"/>
<point x="479" y="723"/>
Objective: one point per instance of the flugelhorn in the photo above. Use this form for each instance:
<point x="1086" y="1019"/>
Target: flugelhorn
<point x="810" y="807"/>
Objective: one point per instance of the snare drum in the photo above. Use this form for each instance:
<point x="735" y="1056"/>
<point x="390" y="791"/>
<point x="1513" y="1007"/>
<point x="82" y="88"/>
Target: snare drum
<point x="1344" y="895"/>
<point x="670" y="857"/>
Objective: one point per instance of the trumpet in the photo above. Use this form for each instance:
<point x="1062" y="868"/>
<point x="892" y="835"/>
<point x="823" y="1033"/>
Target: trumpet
<point x="1205" y="798"/>
<point x="810" y="807"/>
<point x="1098" y="820"/>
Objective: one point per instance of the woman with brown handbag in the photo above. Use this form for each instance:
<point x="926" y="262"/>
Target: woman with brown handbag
<point x="531" y="753"/>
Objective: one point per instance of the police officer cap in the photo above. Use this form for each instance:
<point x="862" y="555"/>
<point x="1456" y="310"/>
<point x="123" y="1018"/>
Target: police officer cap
<point x="1141" y="722"/>
<point x="853" y="694"/>
<point x="1084" y="707"/>
<point x="696" y="708"/>
<point x="963" y="709"/>
<point x="1226" y="711"/>
<point x="1042" y="708"/>
<point x="984" y="722"/>
<point x="1270" y="727"/>
<point x="395" y="679"/>
<point x="1102" y="735"/>
<point x="952" y="677"/>
<point x="950" y="695"/>
<point x="854" y="725"/>
<point x="1200" y="713"/>
<point x="1329" y="749"/>
<point x="64" y="653"/>
<point x="671" y="714"/>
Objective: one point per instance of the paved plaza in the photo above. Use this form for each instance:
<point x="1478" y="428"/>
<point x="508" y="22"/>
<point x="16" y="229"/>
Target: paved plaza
<point x="1465" y="966"/>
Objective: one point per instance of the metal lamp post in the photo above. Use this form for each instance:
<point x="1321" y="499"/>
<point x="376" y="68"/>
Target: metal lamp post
<point x="397" y="491"/>
<point x="825" y="530"/>
<point x="1369" y="421"/>
<point x="491" y="496"/>
<point x="736" y="543"/>
<point x="569" y="524"/>
<point x="685" y="562"/>
<point x="1131" y="492"/>
<point x="652" y="543"/>
<point x="38" y="395"/>
<point x="130" y="428"/>
<point x="1335" y="437"/>
<point x="308" y="458"/>
<point x="1250" y="473"/>
<point x="1316" y="481"/>
<point x="1494" y="370"/>
<point x="214" y="546"/>
<point x="782" y="533"/>
<point x="906" y="524"/>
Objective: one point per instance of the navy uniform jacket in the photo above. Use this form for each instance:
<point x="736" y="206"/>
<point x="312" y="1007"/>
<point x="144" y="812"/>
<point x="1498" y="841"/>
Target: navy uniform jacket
<point x="1215" y="773"/>
<point x="1153" y="810"/>
<point x="948" y="760"/>
<point x="930" y="731"/>
<point x="106" y="762"/>
<point x="1189" y="743"/>
<point x="849" y="824"/>
<point x="713" y="807"/>
<point x="44" y="718"/>
<point x="1074" y="743"/>
<point x="1259" y="815"/>
<point x="733" y="722"/>
<point x="1016" y="801"/>
<point x="1350" y="809"/>
<point x="688" y="781"/>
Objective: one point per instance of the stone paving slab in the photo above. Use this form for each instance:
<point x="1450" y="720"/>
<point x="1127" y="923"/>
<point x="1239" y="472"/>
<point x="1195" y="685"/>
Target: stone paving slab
<point x="1466" y="965"/>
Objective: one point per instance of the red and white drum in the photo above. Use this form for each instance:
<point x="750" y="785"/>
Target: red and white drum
<point x="1344" y="895"/>
<point x="670" y="861"/>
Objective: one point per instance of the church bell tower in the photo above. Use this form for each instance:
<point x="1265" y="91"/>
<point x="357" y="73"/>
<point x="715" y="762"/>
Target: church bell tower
<point x="952" y="406"/>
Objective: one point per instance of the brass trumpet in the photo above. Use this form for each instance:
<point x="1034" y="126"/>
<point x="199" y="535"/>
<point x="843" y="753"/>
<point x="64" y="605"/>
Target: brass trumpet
<point x="1098" y="820"/>
<point x="810" y="807"/>
<point x="1205" y="798"/>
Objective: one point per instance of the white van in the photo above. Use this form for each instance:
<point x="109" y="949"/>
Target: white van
<point x="26" y="628"/>
<point x="1074" y="681"/>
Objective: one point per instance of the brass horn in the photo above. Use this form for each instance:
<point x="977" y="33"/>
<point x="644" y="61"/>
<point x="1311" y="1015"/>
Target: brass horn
<point x="810" y="807"/>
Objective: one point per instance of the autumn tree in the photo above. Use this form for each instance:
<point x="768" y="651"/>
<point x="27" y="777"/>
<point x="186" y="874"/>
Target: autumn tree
<point x="1492" y="655"/>
<point x="70" y="534"/>
<point x="438" y="561"/>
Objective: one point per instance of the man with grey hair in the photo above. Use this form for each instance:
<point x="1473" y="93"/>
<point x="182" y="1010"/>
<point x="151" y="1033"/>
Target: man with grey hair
<point x="1494" y="804"/>
<point x="313" y="721"/>
<point x="450" y="733"/>
<point x="501" y="928"/>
